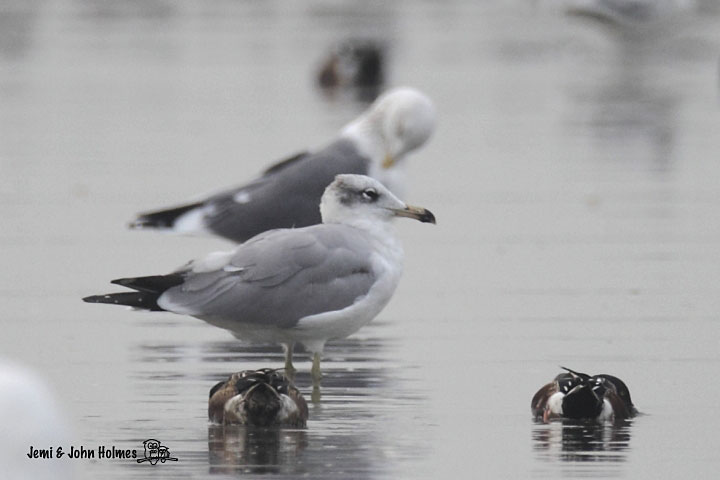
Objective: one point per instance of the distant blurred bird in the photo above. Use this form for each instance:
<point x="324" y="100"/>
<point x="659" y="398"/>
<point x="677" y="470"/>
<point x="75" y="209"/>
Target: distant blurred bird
<point x="287" y="195"/>
<point x="31" y="418"/>
<point x="258" y="398"/>
<point x="629" y="12"/>
<point x="306" y="285"/>
<point x="579" y="396"/>
<point x="356" y="64"/>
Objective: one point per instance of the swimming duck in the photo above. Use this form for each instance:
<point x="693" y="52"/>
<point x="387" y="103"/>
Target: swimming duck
<point x="580" y="396"/>
<point x="260" y="398"/>
<point x="354" y="64"/>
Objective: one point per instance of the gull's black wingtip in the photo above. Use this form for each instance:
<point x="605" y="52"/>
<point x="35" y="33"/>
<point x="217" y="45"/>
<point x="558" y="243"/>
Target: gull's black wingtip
<point x="93" y="299"/>
<point x="138" y="224"/>
<point x="140" y="300"/>
<point x="161" y="219"/>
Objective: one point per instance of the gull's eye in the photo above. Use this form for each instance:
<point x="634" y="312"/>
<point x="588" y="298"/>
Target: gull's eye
<point x="370" y="194"/>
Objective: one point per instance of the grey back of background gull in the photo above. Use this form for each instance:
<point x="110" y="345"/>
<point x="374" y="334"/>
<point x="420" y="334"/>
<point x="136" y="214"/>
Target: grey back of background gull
<point x="375" y="143"/>
<point x="286" y="196"/>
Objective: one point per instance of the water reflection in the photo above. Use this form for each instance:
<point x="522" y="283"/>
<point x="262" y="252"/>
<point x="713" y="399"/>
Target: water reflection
<point x="17" y="28"/>
<point x="576" y="441"/>
<point x="239" y="449"/>
<point x="628" y="106"/>
<point x="340" y="355"/>
<point x="108" y="10"/>
<point x="347" y="428"/>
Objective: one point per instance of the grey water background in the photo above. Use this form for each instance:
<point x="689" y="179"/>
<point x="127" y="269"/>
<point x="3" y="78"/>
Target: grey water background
<point x="574" y="175"/>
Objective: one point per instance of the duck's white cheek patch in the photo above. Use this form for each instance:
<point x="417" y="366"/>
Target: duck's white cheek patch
<point x="607" y="413"/>
<point x="555" y="403"/>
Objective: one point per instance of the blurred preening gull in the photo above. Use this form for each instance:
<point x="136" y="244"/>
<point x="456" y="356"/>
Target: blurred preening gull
<point x="287" y="194"/>
<point x="630" y="12"/>
<point x="258" y="398"/>
<point x="580" y="396"/>
<point x="306" y="285"/>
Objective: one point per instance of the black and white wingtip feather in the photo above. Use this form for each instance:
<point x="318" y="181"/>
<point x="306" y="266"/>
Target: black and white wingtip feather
<point x="579" y="396"/>
<point x="162" y="219"/>
<point x="148" y="290"/>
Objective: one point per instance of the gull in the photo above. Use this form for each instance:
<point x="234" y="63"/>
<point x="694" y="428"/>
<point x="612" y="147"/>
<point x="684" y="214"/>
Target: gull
<point x="305" y="285"/>
<point x="287" y="194"/>
<point x="582" y="397"/>
<point x="630" y="12"/>
<point x="259" y="398"/>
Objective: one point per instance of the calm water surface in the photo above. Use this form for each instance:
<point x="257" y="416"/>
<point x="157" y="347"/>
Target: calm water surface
<point x="574" y="176"/>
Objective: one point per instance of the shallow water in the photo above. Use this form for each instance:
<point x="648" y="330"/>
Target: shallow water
<point x="573" y="174"/>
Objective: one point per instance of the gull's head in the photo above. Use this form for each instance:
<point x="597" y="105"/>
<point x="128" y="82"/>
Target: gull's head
<point x="399" y="121"/>
<point x="357" y="198"/>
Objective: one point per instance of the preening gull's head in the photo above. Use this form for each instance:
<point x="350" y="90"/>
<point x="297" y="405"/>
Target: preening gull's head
<point x="353" y="199"/>
<point x="399" y="121"/>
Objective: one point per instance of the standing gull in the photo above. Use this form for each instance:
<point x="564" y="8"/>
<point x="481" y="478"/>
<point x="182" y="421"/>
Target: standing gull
<point x="306" y="285"/>
<point x="287" y="194"/>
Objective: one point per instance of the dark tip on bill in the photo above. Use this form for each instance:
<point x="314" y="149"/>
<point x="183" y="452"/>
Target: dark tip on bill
<point x="427" y="217"/>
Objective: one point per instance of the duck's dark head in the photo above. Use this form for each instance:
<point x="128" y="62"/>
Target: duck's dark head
<point x="262" y="404"/>
<point x="582" y="402"/>
<point x="259" y="398"/>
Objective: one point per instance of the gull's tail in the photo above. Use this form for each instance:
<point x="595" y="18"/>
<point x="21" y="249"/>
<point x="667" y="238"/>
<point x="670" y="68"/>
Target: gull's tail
<point x="148" y="291"/>
<point x="163" y="219"/>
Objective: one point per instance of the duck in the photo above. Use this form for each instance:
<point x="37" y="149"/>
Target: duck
<point x="579" y="396"/>
<point x="257" y="398"/>
<point x="354" y="64"/>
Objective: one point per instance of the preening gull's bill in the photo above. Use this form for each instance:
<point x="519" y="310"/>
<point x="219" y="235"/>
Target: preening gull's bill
<point x="287" y="194"/>
<point x="306" y="285"/>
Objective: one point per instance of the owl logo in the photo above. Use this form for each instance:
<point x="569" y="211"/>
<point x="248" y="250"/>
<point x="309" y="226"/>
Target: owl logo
<point x="155" y="452"/>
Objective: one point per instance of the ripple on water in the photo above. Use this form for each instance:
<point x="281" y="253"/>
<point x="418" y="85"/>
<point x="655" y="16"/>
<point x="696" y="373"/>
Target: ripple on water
<point x="578" y="446"/>
<point x="355" y="428"/>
